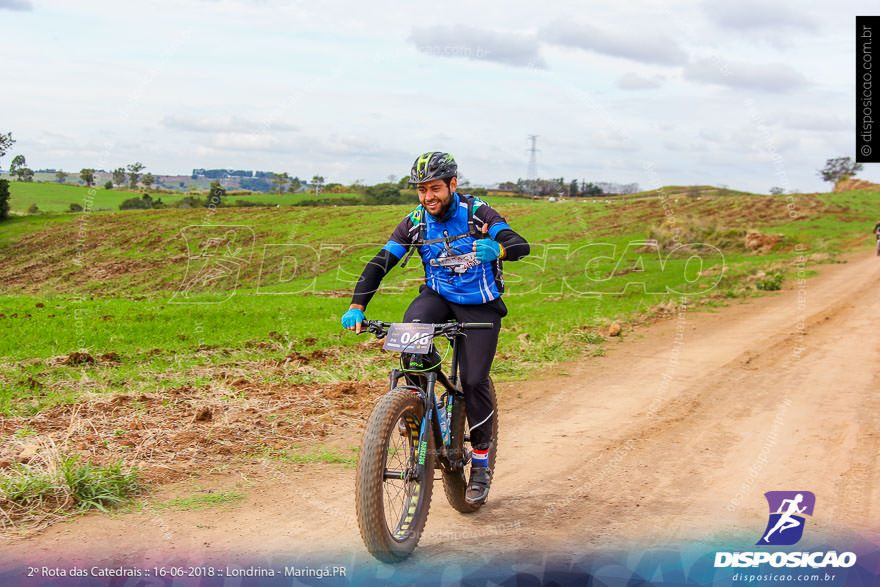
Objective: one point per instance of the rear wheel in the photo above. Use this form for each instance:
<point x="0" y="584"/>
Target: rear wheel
<point x="392" y="504"/>
<point x="455" y="481"/>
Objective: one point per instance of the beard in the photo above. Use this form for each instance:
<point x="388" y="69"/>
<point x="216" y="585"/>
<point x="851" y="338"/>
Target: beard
<point x="444" y="206"/>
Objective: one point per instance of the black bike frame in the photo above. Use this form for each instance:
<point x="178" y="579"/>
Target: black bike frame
<point x="429" y="401"/>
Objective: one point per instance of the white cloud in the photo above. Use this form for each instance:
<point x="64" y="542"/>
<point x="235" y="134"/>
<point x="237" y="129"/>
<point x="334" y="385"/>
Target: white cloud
<point x="467" y="42"/>
<point x="634" y="81"/>
<point x="18" y="5"/>
<point x="645" y="46"/>
<point x="772" y="77"/>
<point x="815" y="121"/>
<point x="757" y="14"/>
<point x="233" y="124"/>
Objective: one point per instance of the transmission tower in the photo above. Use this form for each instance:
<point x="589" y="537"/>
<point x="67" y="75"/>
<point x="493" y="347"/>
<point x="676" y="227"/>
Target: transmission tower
<point x="533" y="158"/>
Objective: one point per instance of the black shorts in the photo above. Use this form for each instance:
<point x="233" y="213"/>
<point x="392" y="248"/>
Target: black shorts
<point x="476" y="352"/>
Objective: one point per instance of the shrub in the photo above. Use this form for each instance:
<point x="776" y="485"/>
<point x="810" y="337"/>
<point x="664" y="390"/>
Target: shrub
<point x="384" y="193"/>
<point x="108" y="185"/>
<point x="74" y="207"/>
<point x="135" y="204"/>
<point x="33" y="209"/>
<point x="145" y="202"/>
<point x="190" y="202"/>
<point x="772" y="282"/>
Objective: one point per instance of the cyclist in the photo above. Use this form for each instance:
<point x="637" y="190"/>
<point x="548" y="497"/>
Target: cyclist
<point x="462" y="242"/>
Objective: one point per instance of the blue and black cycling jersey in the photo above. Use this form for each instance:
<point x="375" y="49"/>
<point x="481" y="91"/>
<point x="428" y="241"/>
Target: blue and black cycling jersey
<point x="451" y="266"/>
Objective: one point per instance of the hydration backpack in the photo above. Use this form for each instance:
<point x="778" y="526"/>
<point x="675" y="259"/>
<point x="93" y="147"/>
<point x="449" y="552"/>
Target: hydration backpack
<point x="423" y="227"/>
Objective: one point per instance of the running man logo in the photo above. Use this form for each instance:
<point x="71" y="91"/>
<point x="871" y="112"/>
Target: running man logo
<point x="786" y="524"/>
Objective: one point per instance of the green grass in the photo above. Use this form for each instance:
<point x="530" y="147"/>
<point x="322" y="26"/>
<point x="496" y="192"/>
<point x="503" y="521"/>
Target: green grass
<point x="200" y="501"/>
<point x="64" y="485"/>
<point x="319" y="455"/>
<point x="113" y="290"/>
<point x="56" y="197"/>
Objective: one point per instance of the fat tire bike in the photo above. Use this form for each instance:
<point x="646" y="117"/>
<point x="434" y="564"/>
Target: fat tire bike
<point x="410" y="433"/>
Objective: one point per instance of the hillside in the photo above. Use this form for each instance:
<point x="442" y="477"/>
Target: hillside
<point x="157" y="318"/>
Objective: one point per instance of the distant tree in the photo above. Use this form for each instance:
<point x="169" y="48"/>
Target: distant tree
<point x="26" y="174"/>
<point x="108" y="185"/>
<point x="403" y="183"/>
<point x="4" y="199"/>
<point x="148" y="180"/>
<point x="18" y="164"/>
<point x="145" y="202"/>
<point x="134" y="170"/>
<point x="589" y="189"/>
<point x="317" y="181"/>
<point x="61" y="175"/>
<point x="295" y="184"/>
<point x="6" y="142"/>
<point x="190" y="202"/>
<point x="255" y="184"/>
<point x="33" y="209"/>
<point x="509" y="186"/>
<point x="776" y="191"/>
<point x="384" y="193"/>
<point x="88" y="176"/>
<point x="118" y="175"/>
<point x="839" y="168"/>
<point x="216" y="194"/>
<point x="573" y="188"/>
<point x="479" y="192"/>
<point x="74" y="207"/>
<point x="279" y="180"/>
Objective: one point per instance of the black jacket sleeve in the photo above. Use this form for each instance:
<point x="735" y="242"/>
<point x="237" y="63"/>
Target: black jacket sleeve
<point x="371" y="277"/>
<point x="515" y="246"/>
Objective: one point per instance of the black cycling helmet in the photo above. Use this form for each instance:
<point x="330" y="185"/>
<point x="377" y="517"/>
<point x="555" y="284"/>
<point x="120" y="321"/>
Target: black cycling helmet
<point x="431" y="166"/>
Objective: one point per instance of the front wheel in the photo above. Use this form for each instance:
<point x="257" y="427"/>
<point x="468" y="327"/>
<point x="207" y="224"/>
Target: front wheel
<point x="392" y="503"/>
<point x="455" y="481"/>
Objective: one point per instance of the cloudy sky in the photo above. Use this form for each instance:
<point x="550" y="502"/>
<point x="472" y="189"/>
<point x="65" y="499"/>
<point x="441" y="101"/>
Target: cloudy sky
<point x="748" y="94"/>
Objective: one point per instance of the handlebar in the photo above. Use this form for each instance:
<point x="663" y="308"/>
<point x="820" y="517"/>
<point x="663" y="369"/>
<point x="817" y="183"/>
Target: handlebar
<point x="380" y="329"/>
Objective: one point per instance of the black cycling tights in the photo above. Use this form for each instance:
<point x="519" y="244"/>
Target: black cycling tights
<point x="476" y="352"/>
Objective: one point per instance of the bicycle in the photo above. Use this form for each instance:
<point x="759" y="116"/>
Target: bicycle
<point x="398" y="454"/>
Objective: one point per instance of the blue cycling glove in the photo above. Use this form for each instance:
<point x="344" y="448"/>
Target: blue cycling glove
<point x="487" y="250"/>
<point x="352" y="318"/>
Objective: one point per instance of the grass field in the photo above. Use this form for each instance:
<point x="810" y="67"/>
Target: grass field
<point x="55" y="197"/>
<point x="181" y="311"/>
<point x="115" y="291"/>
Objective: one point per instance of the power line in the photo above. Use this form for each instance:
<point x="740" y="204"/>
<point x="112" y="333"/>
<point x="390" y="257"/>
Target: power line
<point x="533" y="158"/>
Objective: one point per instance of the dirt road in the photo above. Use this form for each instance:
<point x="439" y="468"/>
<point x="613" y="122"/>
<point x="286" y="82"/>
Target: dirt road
<point x="673" y="437"/>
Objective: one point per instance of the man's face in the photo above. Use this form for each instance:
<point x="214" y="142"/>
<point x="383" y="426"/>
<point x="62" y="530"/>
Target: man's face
<point x="435" y="196"/>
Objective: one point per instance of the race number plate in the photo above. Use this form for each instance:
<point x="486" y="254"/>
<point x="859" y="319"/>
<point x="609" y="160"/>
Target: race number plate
<point x="409" y="337"/>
